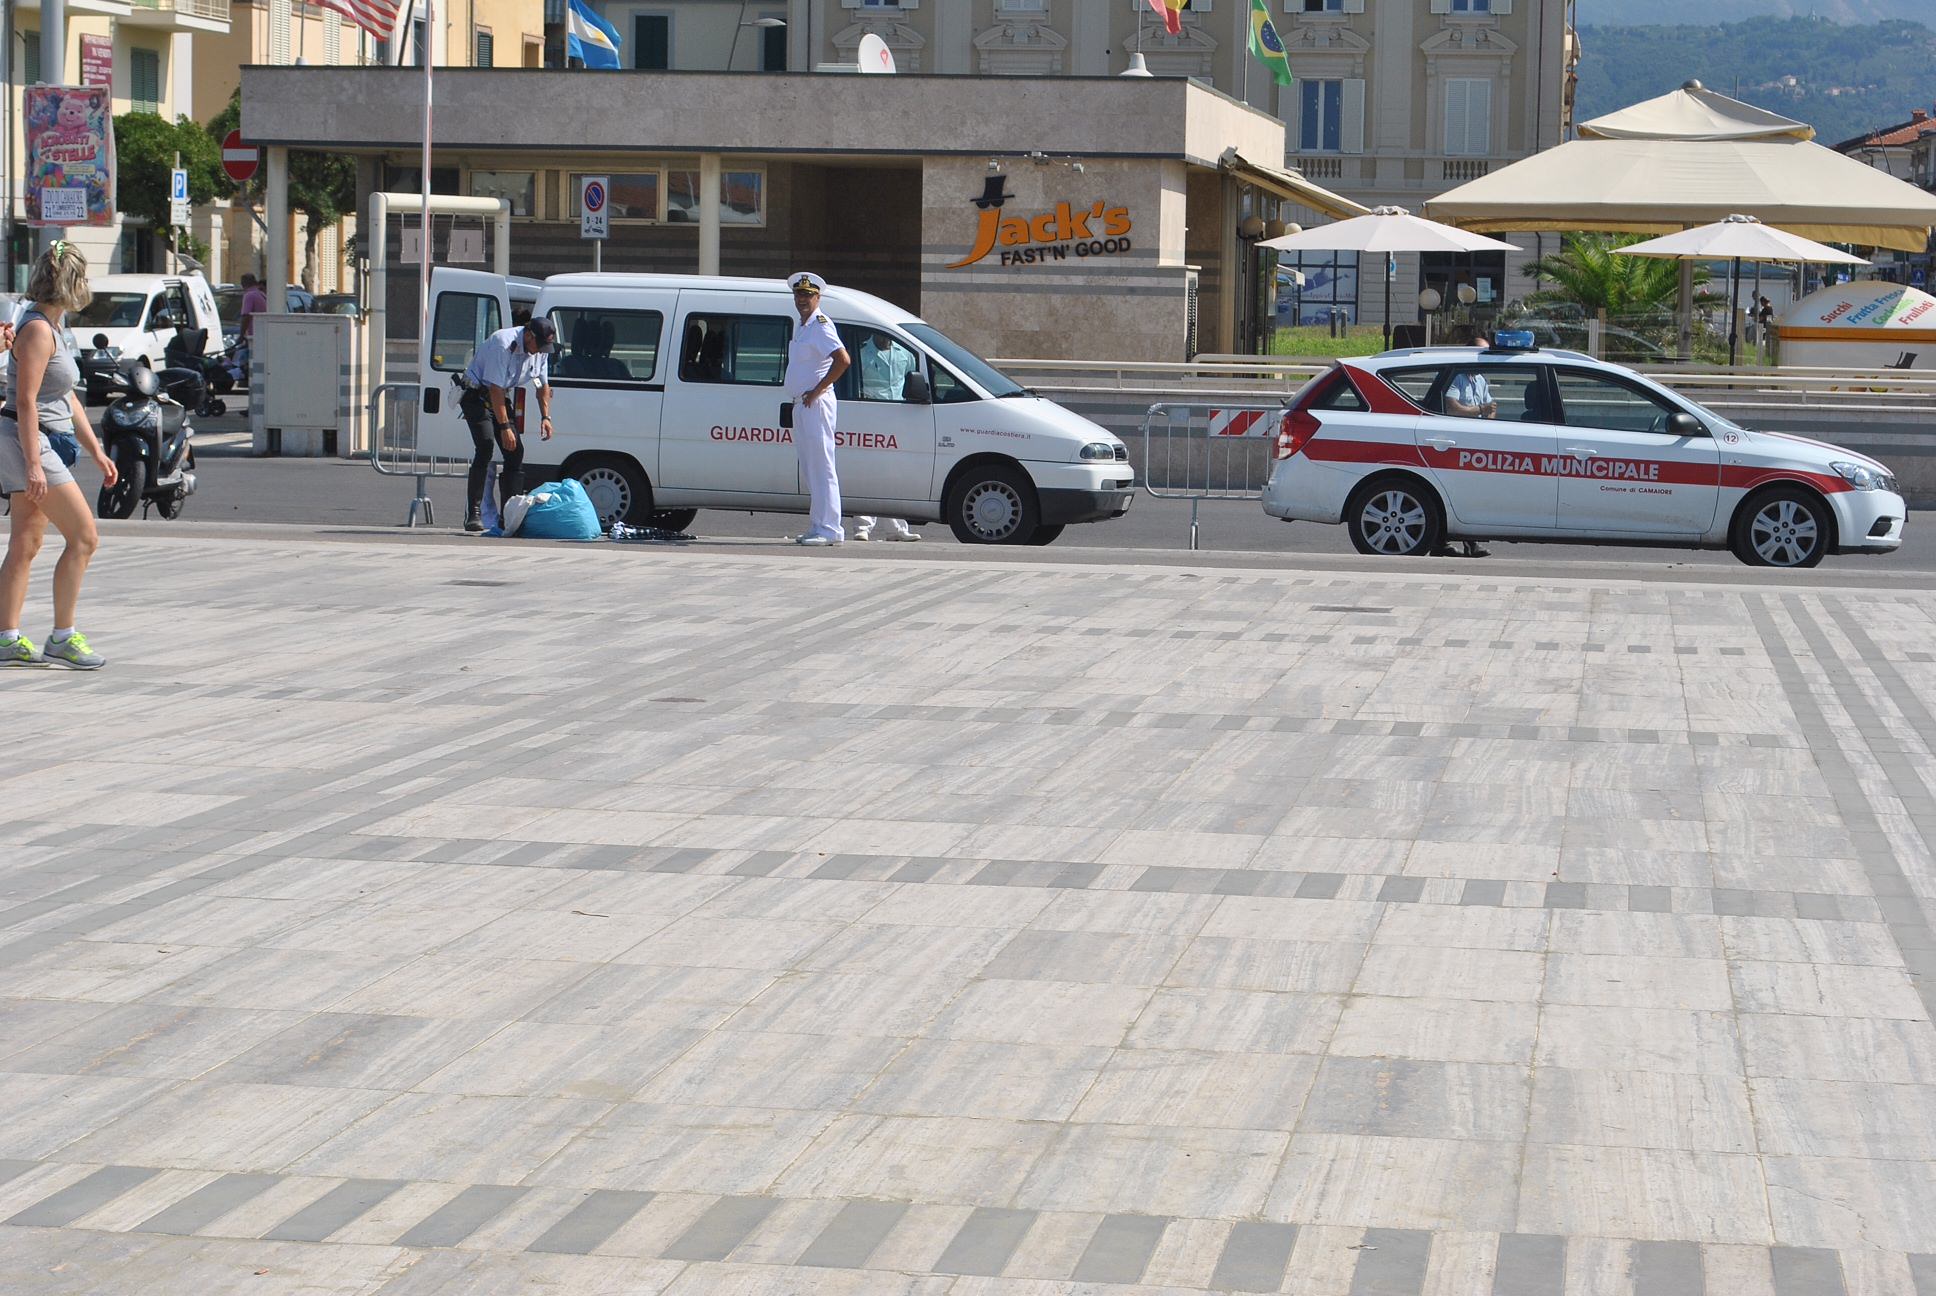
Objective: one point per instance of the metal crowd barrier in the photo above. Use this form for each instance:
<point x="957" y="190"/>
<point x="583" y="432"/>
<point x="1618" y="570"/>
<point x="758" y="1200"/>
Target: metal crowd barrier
<point x="1209" y="453"/>
<point x="393" y="446"/>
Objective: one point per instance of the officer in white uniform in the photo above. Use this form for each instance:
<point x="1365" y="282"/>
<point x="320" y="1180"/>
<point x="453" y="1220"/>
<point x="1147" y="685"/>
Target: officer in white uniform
<point x="815" y="361"/>
<point x="884" y="367"/>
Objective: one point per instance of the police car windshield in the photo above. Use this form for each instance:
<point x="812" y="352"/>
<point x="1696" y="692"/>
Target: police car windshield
<point x="984" y="375"/>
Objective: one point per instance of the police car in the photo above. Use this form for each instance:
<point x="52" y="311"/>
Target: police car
<point x="1411" y="448"/>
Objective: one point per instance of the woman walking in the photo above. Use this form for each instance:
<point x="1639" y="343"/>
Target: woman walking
<point x="43" y="426"/>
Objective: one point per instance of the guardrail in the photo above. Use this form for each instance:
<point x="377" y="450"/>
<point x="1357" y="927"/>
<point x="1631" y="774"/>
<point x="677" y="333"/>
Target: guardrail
<point x="394" y="451"/>
<point x="1209" y="453"/>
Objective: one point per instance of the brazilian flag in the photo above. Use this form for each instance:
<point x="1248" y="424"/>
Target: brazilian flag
<point x="1264" y="44"/>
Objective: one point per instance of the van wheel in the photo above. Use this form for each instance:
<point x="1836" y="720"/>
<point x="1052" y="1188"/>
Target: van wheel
<point x="1394" y="517"/>
<point x="1784" y="527"/>
<point x="617" y="489"/>
<point x="993" y="504"/>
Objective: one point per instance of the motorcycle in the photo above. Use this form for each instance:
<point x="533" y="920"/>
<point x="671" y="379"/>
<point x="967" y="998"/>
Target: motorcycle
<point x="185" y="357"/>
<point x="147" y="434"/>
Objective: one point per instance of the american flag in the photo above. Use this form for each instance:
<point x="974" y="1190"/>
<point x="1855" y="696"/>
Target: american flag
<point x="377" y="17"/>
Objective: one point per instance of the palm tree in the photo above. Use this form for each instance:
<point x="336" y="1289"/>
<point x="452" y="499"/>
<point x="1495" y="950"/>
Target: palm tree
<point x="1587" y="274"/>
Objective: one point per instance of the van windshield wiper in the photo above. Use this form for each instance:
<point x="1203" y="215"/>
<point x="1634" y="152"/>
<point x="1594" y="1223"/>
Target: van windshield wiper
<point x="1019" y="391"/>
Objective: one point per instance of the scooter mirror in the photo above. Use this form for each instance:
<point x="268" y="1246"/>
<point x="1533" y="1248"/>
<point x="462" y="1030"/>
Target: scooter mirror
<point x="100" y="341"/>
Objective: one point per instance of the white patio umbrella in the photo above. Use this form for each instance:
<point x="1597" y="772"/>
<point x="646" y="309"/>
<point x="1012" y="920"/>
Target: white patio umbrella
<point x="1386" y="230"/>
<point x="1738" y="238"/>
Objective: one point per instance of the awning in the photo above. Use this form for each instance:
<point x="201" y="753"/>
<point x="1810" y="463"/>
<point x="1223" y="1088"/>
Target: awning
<point x="1289" y="185"/>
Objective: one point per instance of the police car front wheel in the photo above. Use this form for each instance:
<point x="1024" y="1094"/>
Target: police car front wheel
<point x="1394" y="517"/>
<point x="995" y="504"/>
<point x="1783" y="527"/>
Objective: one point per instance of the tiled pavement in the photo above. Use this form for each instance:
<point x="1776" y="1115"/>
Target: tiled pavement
<point x="506" y="920"/>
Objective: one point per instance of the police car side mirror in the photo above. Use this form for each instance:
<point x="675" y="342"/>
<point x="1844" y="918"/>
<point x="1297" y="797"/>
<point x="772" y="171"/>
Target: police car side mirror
<point x="914" y="390"/>
<point x="433" y="400"/>
<point x="1683" y="424"/>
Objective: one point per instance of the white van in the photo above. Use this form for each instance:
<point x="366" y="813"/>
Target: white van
<point x="666" y="399"/>
<point x="139" y="314"/>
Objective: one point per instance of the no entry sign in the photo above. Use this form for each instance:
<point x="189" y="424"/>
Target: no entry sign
<point x="238" y="159"/>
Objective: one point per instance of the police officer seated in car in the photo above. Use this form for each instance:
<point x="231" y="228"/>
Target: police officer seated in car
<point x="1467" y="395"/>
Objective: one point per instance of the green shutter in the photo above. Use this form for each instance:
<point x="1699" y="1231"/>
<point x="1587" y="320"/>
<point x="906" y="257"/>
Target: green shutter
<point x="144" y="66"/>
<point x="31" y="71"/>
<point x="485" y="48"/>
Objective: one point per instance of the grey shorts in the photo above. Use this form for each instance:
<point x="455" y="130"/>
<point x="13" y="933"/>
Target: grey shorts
<point x="13" y="468"/>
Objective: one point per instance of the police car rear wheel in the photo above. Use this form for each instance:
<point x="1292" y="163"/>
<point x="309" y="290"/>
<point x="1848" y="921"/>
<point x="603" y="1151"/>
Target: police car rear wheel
<point x="993" y="505"/>
<point x="1786" y="527"/>
<point x="1393" y="518"/>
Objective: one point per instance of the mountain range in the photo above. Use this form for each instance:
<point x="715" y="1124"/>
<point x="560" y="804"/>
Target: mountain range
<point x="1649" y="13"/>
<point x="1843" y="79"/>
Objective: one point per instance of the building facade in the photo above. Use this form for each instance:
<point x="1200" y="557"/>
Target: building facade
<point x="1907" y="151"/>
<point x="146" y="53"/>
<point x="1395" y="100"/>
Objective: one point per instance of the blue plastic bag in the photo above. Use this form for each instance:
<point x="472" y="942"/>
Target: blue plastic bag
<point x="561" y="510"/>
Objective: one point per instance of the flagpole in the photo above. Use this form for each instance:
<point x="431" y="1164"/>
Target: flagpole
<point x="428" y="51"/>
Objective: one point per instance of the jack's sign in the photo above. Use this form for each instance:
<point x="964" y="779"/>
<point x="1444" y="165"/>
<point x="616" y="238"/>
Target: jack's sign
<point x="1055" y="235"/>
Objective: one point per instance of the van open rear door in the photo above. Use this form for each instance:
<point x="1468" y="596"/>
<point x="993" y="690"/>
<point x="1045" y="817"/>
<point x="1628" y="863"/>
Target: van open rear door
<point x="466" y="306"/>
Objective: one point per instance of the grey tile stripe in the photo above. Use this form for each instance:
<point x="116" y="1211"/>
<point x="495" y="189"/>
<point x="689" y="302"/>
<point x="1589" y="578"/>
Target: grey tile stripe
<point x="207" y="1204"/>
<point x="726" y="1223"/>
<point x="1254" y="1257"/>
<point x="14" y="1169"/>
<point x="1922" y="1272"/>
<point x="1667" y="1269"/>
<point x="1529" y="1264"/>
<point x="1120" y="1249"/>
<point x="985" y="1241"/>
<point x="1806" y="1271"/>
<point x="330" y="1212"/>
<point x="462" y="1216"/>
<point x="1392" y="1263"/>
<point x="77" y="1199"/>
<point x="853" y="1235"/>
<point x="590" y="1222"/>
<point x="1908" y="924"/>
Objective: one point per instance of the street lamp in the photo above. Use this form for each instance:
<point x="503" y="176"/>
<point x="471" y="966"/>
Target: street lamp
<point x="1429" y="301"/>
<point x="744" y="23"/>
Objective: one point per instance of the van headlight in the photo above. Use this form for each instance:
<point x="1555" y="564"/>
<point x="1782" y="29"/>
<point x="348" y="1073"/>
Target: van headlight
<point x="1863" y="477"/>
<point x="1102" y="450"/>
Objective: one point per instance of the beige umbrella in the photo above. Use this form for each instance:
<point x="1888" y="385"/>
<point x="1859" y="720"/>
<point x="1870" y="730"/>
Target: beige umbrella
<point x="1387" y="230"/>
<point x="1738" y="238"/>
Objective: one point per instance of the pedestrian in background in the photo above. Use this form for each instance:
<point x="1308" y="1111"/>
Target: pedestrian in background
<point x="43" y="427"/>
<point x="506" y="361"/>
<point x="815" y="361"/>
<point x="884" y="368"/>
<point x="254" y="302"/>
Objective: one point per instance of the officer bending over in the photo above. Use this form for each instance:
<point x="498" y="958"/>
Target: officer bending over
<point x="507" y="360"/>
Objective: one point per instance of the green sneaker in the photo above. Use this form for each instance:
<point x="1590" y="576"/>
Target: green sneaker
<point x="20" y="652"/>
<point x="74" y="653"/>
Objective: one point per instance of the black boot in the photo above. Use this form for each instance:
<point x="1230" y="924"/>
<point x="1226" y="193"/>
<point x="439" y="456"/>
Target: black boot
<point x="472" y="519"/>
<point x="508" y="484"/>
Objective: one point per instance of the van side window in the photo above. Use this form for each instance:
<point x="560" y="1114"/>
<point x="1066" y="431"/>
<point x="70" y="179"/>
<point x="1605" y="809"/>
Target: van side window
<point x="606" y="345"/>
<point x="463" y="321"/>
<point x="746" y="350"/>
<point x="950" y="390"/>
<point x="881" y="365"/>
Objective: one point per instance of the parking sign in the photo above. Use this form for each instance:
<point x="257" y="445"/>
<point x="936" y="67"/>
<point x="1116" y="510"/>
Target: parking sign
<point x="178" y="197"/>
<point x="593" y="214"/>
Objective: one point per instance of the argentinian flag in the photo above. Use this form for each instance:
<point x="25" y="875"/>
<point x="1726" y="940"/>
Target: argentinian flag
<point x="590" y="38"/>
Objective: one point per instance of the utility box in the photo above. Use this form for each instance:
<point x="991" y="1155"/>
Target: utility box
<point x="303" y="385"/>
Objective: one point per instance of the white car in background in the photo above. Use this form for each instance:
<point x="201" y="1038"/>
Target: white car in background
<point x="1567" y="448"/>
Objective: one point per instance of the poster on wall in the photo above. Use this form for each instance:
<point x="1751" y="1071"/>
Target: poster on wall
<point x="70" y="155"/>
<point x="97" y="61"/>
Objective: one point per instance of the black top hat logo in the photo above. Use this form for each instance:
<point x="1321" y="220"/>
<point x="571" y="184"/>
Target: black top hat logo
<point x="994" y="192"/>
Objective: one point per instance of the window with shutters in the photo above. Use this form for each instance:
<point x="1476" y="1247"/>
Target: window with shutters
<point x="486" y="48"/>
<point x="30" y="60"/>
<point x="652" y="41"/>
<point x="144" y="80"/>
<point x="1331" y="115"/>
<point x="1468" y="117"/>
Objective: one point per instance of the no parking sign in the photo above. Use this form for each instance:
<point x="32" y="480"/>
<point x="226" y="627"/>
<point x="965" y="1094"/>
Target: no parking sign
<point x="593" y="215"/>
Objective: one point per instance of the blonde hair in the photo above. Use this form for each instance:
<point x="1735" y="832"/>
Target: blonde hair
<point x="59" y="278"/>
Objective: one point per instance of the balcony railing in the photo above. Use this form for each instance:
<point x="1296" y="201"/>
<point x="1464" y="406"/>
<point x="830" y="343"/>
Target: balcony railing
<point x="212" y="10"/>
<point x="1321" y="168"/>
<point x="1460" y="170"/>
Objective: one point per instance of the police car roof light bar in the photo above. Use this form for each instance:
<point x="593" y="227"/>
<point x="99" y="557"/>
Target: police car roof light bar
<point x="1512" y="340"/>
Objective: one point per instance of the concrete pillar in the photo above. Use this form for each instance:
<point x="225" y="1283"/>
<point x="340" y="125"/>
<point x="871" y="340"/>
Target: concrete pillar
<point x="275" y="262"/>
<point x="53" y="71"/>
<point x="709" y="213"/>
